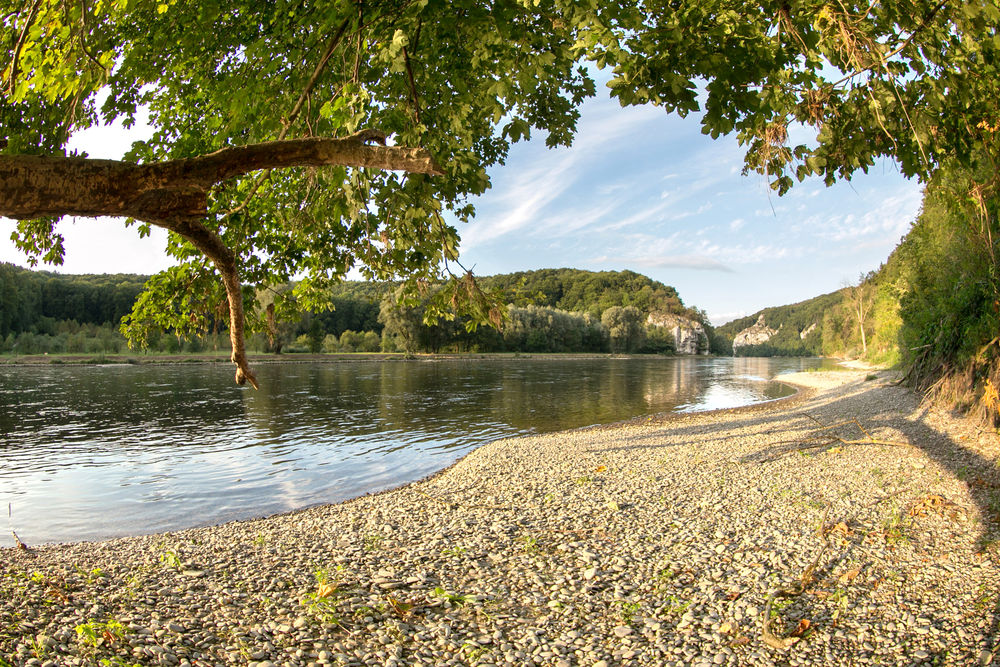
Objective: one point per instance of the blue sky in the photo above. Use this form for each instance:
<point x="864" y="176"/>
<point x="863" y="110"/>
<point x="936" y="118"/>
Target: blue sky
<point x="648" y="192"/>
<point x="638" y="190"/>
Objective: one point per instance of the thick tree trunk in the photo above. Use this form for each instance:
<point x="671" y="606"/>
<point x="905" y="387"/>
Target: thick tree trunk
<point x="37" y="186"/>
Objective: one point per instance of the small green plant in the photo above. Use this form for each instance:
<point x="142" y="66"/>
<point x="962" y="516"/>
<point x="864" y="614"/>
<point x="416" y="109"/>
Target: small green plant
<point x="133" y="584"/>
<point x="895" y="525"/>
<point x="92" y="633"/>
<point x="840" y="601"/>
<point x="454" y="551"/>
<point x="38" y="578"/>
<point x="117" y="662"/>
<point x="674" y="605"/>
<point x="586" y="479"/>
<point x="627" y="611"/>
<point x="38" y="649"/>
<point x="323" y="575"/>
<point x="453" y="598"/>
<point x="363" y="611"/>
<point x="92" y="576"/>
<point x="373" y="542"/>
<point x="895" y="576"/>
<point x="778" y="605"/>
<point x="984" y="598"/>
<point x="260" y="539"/>
<point x="323" y="608"/>
<point x="169" y="557"/>
<point x="395" y="633"/>
<point x="530" y="544"/>
<point x="474" y="652"/>
<point x="321" y="603"/>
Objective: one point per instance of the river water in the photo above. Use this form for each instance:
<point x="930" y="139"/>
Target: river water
<point x="91" y="452"/>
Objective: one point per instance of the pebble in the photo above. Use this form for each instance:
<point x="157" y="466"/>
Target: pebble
<point x="637" y="544"/>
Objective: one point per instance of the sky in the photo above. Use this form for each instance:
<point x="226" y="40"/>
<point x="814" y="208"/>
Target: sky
<point x="640" y="190"/>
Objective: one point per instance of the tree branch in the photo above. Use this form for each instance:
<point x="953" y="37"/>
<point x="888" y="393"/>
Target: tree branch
<point x="213" y="247"/>
<point x="174" y="194"/>
<point x="20" y="44"/>
<point x="313" y="79"/>
<point x="165" y="192"/>
<point x="413" y="86"/>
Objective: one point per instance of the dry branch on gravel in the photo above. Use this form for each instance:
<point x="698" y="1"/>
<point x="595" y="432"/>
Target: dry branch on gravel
<point x="824" y="437"/>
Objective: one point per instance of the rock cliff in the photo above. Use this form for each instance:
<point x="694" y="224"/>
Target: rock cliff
<point x="689" y="335"/>
<point x="755" y="334"/>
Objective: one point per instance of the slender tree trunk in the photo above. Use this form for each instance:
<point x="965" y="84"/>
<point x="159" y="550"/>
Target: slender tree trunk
<point x="861" y="326"/>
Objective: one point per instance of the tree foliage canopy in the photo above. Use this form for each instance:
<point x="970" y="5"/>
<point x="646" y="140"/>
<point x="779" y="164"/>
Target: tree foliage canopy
<point x="810" y="87"/>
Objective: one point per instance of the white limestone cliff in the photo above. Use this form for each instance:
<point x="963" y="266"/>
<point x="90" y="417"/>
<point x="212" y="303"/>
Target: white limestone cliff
<point x="689" y="335"/>
<point x="755" y="334"/>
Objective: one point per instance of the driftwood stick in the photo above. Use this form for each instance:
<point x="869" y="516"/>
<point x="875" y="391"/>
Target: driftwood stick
<point x="10" y="521"/>
<point x="768" y="635"/>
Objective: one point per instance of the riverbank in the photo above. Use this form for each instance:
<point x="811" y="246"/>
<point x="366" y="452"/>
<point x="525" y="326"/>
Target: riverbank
<point x="294" y="358"/>
<point x="649" y="543"/>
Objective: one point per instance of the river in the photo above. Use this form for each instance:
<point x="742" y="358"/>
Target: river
<point x="92" y="452"/>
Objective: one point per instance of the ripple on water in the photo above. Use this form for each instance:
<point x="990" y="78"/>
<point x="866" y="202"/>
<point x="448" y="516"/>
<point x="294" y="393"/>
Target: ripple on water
<point x="95" y="452"/>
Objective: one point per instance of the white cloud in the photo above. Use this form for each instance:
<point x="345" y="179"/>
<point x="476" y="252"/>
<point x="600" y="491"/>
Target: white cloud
<point x="695" y="262"/>
<point x="885" y="223"/>
<point x="524" y="195"/>
<point x="718" y="319"/>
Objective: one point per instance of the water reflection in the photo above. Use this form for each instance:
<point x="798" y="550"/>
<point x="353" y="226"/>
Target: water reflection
<point x="93" y="452"/>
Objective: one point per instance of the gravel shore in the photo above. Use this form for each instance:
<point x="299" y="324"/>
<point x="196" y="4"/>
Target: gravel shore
<point x="657" y="542"/>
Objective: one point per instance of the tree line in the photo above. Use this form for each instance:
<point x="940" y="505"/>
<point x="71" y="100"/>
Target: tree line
<point x="550" y="310"/>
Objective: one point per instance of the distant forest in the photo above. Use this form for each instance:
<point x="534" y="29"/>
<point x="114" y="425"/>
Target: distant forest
<point x="551" y="310"/>
<point x="801" y="328"/>
<point x="932" y="309"/>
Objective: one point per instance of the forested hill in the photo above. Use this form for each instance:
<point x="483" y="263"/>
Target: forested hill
<point x="588" y="291"/>
<point x="551" y="310"/>
<point x="791" y="322"/>
<point x="36" y="300"/>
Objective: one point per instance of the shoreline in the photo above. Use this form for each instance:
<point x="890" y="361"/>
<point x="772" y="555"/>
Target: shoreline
<point x="264" y="359"/>
<point x="303" y="358"/>
<point x="648" y="542"/>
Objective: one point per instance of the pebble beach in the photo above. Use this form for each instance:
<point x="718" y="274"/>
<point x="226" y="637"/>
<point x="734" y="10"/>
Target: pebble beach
<point x="848" y="525"/>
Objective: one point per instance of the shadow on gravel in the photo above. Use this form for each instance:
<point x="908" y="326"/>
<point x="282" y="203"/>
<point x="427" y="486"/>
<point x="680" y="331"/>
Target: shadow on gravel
<point x="796" y="426"/>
